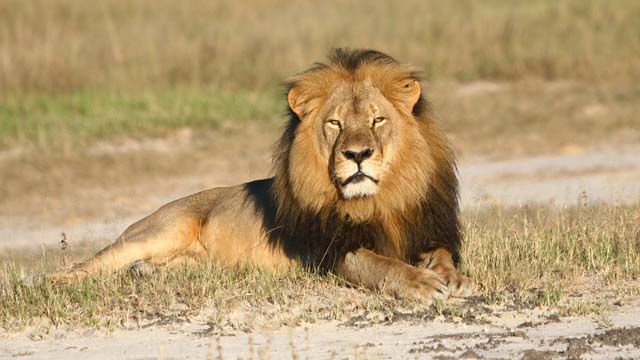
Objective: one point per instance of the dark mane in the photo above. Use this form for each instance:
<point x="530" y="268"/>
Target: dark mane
<point x="351" y="60"/>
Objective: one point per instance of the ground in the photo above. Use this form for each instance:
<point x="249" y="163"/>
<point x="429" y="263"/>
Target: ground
<point x="483" y="333"/>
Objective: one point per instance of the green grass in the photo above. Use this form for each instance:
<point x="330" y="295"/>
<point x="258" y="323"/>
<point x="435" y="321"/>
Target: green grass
<point x="525" y="257"/>
<point x="56" y="122"/>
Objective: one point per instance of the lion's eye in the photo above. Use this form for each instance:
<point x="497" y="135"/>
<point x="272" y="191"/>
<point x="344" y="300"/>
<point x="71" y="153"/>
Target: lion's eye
<point x="334" y="123"/>
<point x="379" y="121"/>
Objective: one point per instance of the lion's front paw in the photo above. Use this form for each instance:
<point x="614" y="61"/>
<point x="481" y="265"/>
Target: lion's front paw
<point x="459" y="285"/>
<point x="417" y="284"/>
<point x="441" y="262"/>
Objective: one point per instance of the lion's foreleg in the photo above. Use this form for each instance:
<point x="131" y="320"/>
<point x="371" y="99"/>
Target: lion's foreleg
<point x="366" y="268"/>
<point x="441" y="261"/>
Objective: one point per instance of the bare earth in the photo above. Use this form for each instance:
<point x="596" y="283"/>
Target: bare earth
<point x="596" y="175"/>
<point x="491" y="333"/>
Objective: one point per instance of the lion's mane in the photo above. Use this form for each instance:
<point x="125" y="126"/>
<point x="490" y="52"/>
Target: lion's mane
<point x="417" y="211"/>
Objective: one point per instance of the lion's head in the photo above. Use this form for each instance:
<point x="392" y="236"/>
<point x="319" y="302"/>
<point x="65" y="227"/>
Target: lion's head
<point x="360" y="150"/>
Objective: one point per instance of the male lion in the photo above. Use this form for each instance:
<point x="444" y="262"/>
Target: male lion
<point x="365" y="186"/>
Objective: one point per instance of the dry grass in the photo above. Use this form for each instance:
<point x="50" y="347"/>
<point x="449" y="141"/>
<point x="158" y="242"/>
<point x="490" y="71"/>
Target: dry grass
<point x="523" y="257"/>
<point x="555" y="252"/>
<point x="58" y="46"/>
<point x="532" y="118"/>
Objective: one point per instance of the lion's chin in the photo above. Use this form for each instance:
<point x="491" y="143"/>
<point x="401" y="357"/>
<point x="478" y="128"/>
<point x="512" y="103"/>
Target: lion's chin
<point x="363" y="188"/>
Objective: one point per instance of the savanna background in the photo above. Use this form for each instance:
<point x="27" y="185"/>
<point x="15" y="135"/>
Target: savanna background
<point x="110" y="109"/>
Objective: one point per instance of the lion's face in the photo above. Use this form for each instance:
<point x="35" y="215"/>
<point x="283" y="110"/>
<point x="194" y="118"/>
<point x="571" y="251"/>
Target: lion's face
<point x="356" y="131"/>
<point x="356" y="146"/>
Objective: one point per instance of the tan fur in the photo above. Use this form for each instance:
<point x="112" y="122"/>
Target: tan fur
<point x="364" y="185"/>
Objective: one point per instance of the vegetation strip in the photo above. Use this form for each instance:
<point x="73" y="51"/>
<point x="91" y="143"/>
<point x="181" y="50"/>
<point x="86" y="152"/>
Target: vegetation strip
<point x="521" y="258"/>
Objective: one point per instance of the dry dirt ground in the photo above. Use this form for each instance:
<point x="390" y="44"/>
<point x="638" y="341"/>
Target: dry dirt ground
<point x="488" y="333"/>
<point x="97" y="213"/>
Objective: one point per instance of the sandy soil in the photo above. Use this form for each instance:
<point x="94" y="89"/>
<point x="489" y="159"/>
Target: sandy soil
<point x="609" y="175"/>
<point x="490" y="333"/>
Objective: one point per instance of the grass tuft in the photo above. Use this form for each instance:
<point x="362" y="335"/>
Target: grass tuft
<point x="540" y="254"/>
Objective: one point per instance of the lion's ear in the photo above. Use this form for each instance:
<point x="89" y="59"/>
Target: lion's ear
<point x="297" y="102"/>
<point x="411" y="91"/>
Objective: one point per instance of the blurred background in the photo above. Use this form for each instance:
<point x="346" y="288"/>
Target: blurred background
<point x="110" y="108"/>
<point x="62" y="46"/>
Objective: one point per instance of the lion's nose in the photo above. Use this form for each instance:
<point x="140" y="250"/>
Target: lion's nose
<point x="358" y="156"/>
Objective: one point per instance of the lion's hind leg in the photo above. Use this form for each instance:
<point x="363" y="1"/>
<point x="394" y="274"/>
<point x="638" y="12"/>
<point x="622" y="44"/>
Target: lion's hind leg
<point x="190" y="258"/>
<point x="441" y="262"/>
<point x="149" y="240"/>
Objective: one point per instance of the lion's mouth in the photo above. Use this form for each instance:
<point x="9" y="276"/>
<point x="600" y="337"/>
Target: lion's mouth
<point x="357" y="178"/>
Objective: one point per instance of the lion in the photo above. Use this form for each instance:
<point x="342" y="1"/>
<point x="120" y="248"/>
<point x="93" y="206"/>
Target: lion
<point x="364" y="186"/>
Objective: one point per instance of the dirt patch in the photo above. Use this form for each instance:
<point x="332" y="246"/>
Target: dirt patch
<point x="538" y="355"/>
<point x="618" y="337"/>
<point x="577" y="347"/>
<point x="609" y="176"/>
<point x="387" y="336"/>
